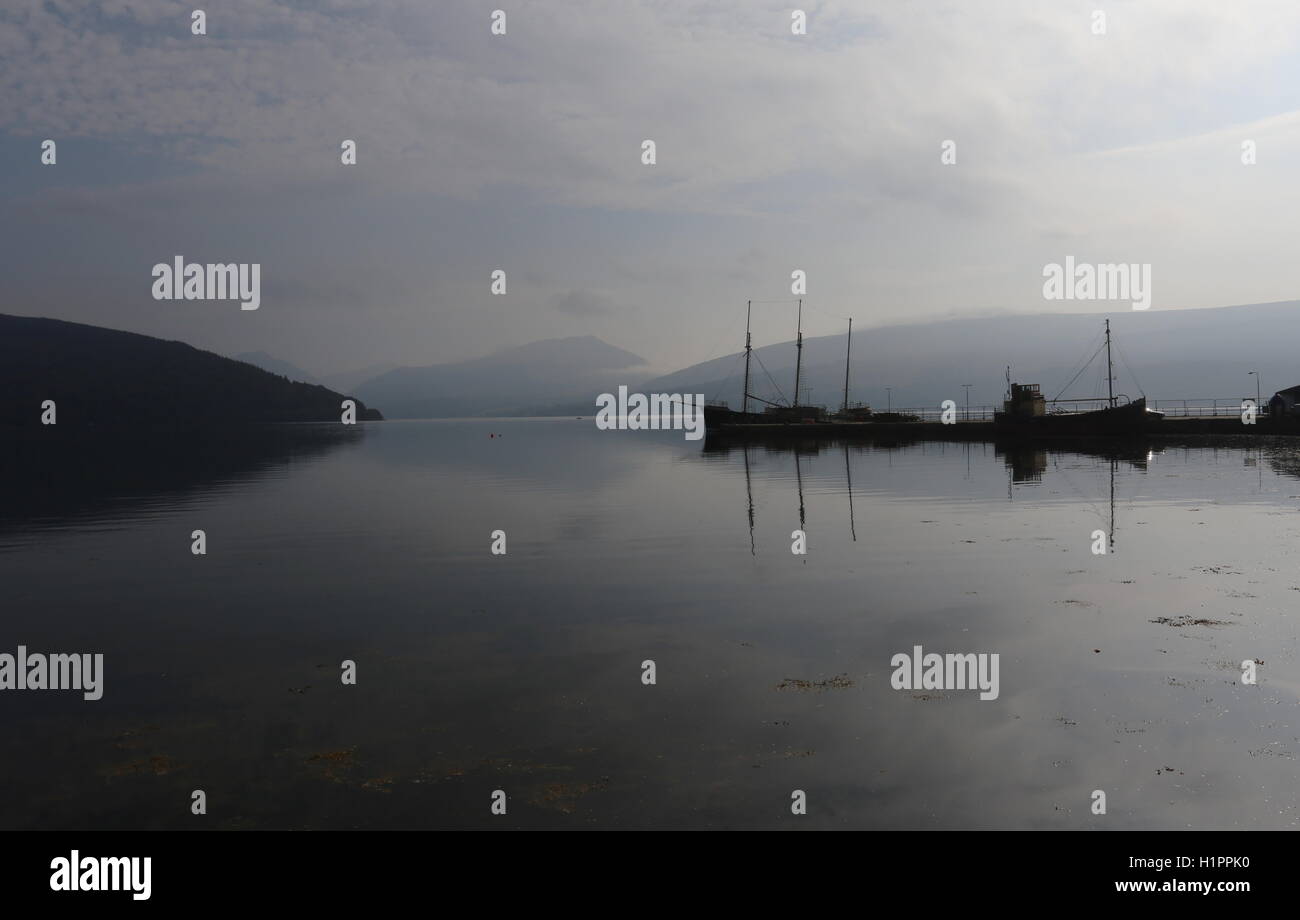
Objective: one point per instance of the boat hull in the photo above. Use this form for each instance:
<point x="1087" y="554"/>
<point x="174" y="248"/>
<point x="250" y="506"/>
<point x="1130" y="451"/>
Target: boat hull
<point x="1132" y="418"/>
<point x="716" y="417"/>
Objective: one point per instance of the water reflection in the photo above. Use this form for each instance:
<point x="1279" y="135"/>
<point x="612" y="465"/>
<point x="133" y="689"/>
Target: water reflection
<point x="521" y="672"/>
<point x="52" y="479"/>
<point x="1026" y="462"/>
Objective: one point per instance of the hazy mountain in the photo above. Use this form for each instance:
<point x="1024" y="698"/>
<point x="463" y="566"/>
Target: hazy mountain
<point x="342" y="381"/>
<point x="104" y="377"/>
<point x="555" y="371"/>
<point x="347" y="381"/>
<point x="1172" y="354"/>
<point x="276" y="366"/>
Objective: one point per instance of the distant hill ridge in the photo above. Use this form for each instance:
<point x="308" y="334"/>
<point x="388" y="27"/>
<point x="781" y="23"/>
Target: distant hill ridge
<point x="554" y="371"/>
<point x="1167" y="354"/>
<point x="106" y="377"/>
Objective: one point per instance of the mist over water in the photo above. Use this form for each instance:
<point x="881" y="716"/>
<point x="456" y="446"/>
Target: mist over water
<point x="1119" y="672"/>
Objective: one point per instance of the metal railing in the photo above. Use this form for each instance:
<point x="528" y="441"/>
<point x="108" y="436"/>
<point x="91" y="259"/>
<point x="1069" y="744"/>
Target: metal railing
<point x="1207" y="407"/>
<point x="935" y="413"/>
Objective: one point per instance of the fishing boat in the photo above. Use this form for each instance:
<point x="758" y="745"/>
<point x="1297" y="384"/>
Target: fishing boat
<point x="1025" y="409"/>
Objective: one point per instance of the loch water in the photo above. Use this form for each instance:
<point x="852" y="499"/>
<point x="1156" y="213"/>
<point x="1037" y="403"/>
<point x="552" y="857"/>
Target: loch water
<point x="523" y="672"/>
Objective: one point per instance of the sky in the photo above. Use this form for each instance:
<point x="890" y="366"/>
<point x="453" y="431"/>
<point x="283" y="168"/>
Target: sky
<point x="775" y="152"/>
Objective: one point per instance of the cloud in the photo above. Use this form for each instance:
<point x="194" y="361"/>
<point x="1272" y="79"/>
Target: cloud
<point x="818" y="152"/>
<point x="560" y="104"/>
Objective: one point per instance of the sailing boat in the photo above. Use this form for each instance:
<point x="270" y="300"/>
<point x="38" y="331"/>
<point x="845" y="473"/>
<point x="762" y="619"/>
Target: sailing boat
<point x="858" y="412"/>
<point x="718" y="415"/>
<point x="1025" y="410"/>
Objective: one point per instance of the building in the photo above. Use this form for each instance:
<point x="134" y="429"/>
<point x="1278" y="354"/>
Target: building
<point x="1285" y="403"/>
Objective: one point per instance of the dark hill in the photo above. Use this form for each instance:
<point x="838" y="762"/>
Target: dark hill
<point x="103" y="377"/>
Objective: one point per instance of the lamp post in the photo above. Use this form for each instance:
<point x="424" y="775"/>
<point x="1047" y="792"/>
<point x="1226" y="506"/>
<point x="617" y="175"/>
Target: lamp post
<point x="1255" y="374"/>
<point x="967" y="386"/>
<point x="889" y="396"/>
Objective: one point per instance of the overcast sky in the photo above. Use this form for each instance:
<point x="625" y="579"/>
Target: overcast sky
<point x="522" y="152"/>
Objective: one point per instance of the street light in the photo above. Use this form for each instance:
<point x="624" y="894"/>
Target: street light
<point x="968" y="386"/>
<point x="1255" y="374"/>
<point x="889" y="399"/>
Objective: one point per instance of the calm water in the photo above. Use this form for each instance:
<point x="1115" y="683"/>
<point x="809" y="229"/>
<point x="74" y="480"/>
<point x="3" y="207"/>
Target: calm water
<point x="522" y="672"/>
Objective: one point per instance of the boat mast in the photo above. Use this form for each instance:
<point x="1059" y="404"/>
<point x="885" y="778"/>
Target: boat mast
<point x="848" y="475"/>
<point x="1113" y="463"/>
<point x="798" y="360"/>
<point x="1110" y="370"/>
<point x="847" y="349"/>
<point x="749" y="491"/>
<point x="798" y="477"/>
<point x="744" y="399"/>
